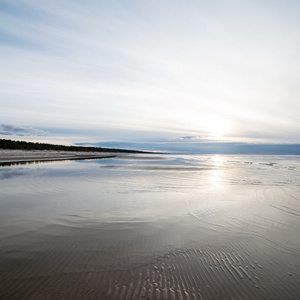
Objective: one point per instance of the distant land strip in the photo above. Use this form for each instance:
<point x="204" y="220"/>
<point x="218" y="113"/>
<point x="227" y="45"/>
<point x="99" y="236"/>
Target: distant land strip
<point x="22" y="145"/>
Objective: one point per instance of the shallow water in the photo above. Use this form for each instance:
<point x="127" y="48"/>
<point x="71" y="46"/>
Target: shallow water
<point x="152" y="226"/>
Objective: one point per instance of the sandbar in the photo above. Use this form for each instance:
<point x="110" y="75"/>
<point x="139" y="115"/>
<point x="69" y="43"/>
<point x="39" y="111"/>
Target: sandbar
<point x="7" y="156"/>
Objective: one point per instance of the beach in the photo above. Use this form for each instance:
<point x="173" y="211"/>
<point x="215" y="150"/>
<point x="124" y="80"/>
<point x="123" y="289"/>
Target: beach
<point x="151" y="227"/>
<point x="7" y="155"/>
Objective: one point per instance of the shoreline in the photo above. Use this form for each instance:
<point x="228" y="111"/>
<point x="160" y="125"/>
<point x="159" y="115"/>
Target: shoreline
<point x="15" y="156"/>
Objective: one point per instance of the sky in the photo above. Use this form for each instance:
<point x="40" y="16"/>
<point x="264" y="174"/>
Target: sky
<point x="147" y="70"/>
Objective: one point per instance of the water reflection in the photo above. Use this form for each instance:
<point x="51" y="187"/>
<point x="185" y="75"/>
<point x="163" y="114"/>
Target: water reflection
<point x="37" y="162"/>
<point x="217" y="160"/>
<point x="11" y="173"/>
<point x="217" y="177"/>
<point x="22" y="163"/>
<point x="217" y="173"/>
<point x="176" y="219"/>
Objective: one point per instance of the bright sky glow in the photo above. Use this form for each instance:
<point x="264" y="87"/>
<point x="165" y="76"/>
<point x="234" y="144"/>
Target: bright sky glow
<point x="222" y="69"/>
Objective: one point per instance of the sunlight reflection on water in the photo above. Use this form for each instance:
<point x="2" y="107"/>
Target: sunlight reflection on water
<point x="216" y="178"/>
<point x="217" y="160"/>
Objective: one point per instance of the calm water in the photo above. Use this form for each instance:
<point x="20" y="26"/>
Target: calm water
<point x="152" y="226"/>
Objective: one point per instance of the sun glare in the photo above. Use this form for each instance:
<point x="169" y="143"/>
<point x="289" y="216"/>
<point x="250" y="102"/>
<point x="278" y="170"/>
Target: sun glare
<point x="216" y="128"/>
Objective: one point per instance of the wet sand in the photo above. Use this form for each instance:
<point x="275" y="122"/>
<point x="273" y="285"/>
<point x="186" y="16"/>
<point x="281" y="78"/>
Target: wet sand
<point x="165" y="228"/>
<point x="83" y="264"/>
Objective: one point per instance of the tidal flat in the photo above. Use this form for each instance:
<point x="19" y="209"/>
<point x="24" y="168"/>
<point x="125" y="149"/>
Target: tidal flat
<point x="151" y="227"/>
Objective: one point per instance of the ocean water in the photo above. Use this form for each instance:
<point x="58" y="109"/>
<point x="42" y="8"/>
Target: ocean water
<point x="151" y="227"/>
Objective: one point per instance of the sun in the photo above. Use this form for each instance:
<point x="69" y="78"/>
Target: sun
<point x="216" y="128"/>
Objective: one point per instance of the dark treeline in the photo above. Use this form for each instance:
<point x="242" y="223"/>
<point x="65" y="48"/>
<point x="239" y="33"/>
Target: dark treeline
<point x="21" y="145"/>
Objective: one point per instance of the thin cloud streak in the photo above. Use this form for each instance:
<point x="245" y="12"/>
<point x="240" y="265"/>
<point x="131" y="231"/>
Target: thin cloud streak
<point x="10" y="130"/>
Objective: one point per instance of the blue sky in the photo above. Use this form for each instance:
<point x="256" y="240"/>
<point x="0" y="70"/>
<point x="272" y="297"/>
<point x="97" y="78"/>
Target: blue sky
<point x="92" y="71"/>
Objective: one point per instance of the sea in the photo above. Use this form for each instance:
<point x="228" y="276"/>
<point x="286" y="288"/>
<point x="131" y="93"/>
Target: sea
<point x="151" y="226"/>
